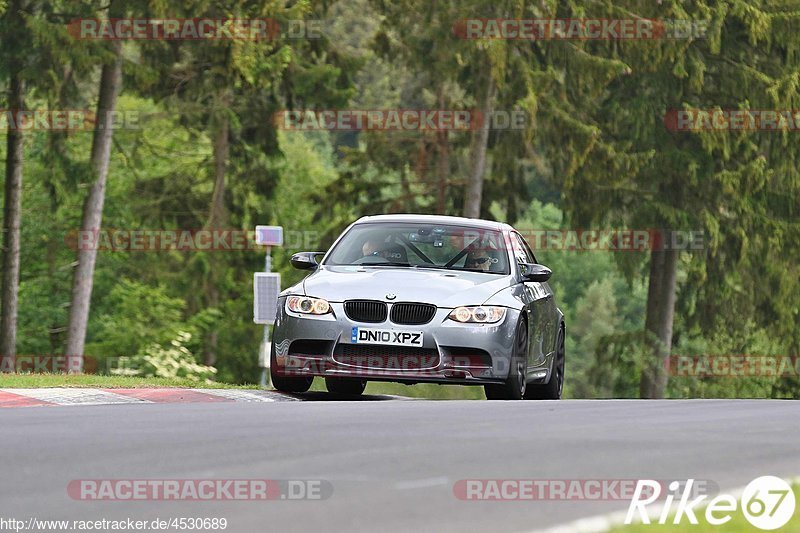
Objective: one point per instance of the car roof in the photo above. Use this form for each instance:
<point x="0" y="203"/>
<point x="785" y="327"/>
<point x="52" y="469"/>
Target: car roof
<point x="436" y="219"/>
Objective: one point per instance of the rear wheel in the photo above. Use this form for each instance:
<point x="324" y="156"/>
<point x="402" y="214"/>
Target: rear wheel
<point x="515" y="385"/>
<point x="553" y="389"/>
<point x="346" y="386"/>
<point x="284" y="383"/>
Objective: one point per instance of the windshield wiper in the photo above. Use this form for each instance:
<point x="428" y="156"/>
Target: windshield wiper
<point x="440" y="267"/>
<point x="385" y="263"/>
<point x="467" y="269"/>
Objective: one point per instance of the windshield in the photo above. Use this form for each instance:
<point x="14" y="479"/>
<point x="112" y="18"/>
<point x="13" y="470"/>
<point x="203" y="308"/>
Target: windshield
<point x="419" y="245"/>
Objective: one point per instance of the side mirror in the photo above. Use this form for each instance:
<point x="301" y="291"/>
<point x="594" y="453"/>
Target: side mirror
<point x="537" y="273"/>
<point x="305" y="260"/>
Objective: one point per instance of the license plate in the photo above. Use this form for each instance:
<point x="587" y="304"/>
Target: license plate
<point x="386" y="336"/>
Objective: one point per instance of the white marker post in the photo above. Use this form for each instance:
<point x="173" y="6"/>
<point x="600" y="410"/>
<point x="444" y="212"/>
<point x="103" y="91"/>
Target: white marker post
<point x="266" y="287"/>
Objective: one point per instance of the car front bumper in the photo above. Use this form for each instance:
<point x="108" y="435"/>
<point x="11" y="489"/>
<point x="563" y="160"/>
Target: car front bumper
<point x="451" y="352"/>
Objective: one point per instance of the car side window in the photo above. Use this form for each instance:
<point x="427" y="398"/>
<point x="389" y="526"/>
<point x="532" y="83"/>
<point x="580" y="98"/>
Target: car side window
<point x="519" y="249"/>
<point x="528" y="251"/>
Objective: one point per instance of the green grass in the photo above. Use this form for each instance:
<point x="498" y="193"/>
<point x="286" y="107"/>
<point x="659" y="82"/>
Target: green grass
<point x="36" y="381"/>
<point x="737" y="524"/>
<point x="421" y="390"/>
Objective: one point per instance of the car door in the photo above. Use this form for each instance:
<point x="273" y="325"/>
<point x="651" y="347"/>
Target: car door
<point x="534" y="299"/>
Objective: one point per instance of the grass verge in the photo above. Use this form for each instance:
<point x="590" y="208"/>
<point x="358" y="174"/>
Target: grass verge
<point x="37" y="381"/>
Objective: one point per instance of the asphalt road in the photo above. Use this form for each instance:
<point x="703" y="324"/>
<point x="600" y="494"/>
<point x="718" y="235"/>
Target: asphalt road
<point x="392" y="464"/>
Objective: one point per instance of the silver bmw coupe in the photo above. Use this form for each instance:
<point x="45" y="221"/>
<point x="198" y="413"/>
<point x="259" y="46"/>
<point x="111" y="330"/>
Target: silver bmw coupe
<point x="421" y="298"/>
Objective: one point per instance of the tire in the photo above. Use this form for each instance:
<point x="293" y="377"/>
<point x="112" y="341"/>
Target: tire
<point x="345" y="386"/>
<point x="284" y="383"/>
<point x="515" y="386"/>
<point x="551" y="390"/>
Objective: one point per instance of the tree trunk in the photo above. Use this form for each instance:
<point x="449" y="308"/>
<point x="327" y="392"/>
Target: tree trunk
<point x="12" y="219"/>
<point x="110" y="84"/>
<point x="56" y="157"/>
<point x="218" y="215"/>
<point x="474" y="193"/>
<point x="442" y="161"/>
<point x="217" y="220"/>
<point x="399" y="206"/>
<point x="442" y="170"/>
<point x="658" y="322"/>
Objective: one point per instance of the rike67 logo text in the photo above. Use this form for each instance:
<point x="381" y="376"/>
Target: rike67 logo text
<point x="767" y="503"/>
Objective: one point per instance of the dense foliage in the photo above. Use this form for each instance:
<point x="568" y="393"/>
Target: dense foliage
<point x="594" y="153"/>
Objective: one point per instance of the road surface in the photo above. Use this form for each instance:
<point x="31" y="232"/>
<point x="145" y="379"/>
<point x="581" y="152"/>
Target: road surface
<point x="392" y="465"/>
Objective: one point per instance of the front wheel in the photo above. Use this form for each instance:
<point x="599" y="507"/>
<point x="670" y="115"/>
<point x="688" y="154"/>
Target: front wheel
<point x="284" y="383"/>
<point x="514" y="387"/>
<point x="553" y="389"/>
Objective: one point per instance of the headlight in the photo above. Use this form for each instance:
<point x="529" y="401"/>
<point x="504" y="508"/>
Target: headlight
<point x="307" y="306"/>
<point x="483" y="314"/>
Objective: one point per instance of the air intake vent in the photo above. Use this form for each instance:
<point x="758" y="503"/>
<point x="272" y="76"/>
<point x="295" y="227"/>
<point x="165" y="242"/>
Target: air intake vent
<point x="365" y="310"/>
<point x="383" y="357"/>
<point x="412" y="313"/>
<point x="310" y="348"/>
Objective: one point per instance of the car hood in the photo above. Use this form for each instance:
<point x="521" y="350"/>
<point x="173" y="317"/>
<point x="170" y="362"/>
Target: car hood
<point x="443" y="288"/>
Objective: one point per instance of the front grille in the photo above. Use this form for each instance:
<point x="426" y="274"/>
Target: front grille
<point x="365" y="310"/>
<point x="412" y="314"/>
<point x="384" y="357"/>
